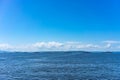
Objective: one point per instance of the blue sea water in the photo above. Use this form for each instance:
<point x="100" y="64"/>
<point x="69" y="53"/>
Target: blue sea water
<point x="60" y="66"/>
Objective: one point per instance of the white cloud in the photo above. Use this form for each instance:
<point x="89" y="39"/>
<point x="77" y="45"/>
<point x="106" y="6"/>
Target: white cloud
<point x="5" y="47"/>
<point x="64" y="46"/>
<point x="110" y="43"/>
<point x="52" y="44"/>
<point x="60" y="46"/>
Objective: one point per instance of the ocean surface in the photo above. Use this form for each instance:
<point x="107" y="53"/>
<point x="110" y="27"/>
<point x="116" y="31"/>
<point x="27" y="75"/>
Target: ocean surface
<point x="60" y="66"/>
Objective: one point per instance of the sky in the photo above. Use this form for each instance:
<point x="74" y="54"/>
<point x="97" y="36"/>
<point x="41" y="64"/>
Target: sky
<point x="35" y="25"/>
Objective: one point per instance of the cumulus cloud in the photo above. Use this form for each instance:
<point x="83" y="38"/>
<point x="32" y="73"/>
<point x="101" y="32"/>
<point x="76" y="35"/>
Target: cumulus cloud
<point x="48" y="44"/>
<point x="5" y="47"/>
<point x="59" y="46"/>
<point x="63" y="46"/>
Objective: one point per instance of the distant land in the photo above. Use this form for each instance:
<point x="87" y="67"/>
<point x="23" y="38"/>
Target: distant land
<point x="60" y="51"/>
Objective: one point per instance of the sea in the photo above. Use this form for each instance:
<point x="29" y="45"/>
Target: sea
<point x="64" y="65"/>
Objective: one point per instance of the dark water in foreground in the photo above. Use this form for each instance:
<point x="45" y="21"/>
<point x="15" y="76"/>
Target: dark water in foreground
<point x="60" y="66"/>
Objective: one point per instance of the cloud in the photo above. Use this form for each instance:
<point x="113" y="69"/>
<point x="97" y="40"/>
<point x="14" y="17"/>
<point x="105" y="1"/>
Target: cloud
<point x="48" y="44"/>
<point x="5" y="47"/>
<point x="110" y="43"/>
<point x="61" y="46"/>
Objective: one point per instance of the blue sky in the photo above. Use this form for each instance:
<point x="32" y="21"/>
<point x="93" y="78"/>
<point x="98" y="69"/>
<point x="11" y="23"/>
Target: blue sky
<point x="86" y="21"/>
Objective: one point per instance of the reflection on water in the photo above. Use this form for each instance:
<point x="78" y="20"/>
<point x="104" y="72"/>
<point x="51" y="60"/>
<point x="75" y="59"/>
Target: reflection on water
<point x="60" y="66"/>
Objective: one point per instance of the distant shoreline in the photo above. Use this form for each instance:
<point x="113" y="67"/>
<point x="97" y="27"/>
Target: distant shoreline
<point x="59" y="51"/>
